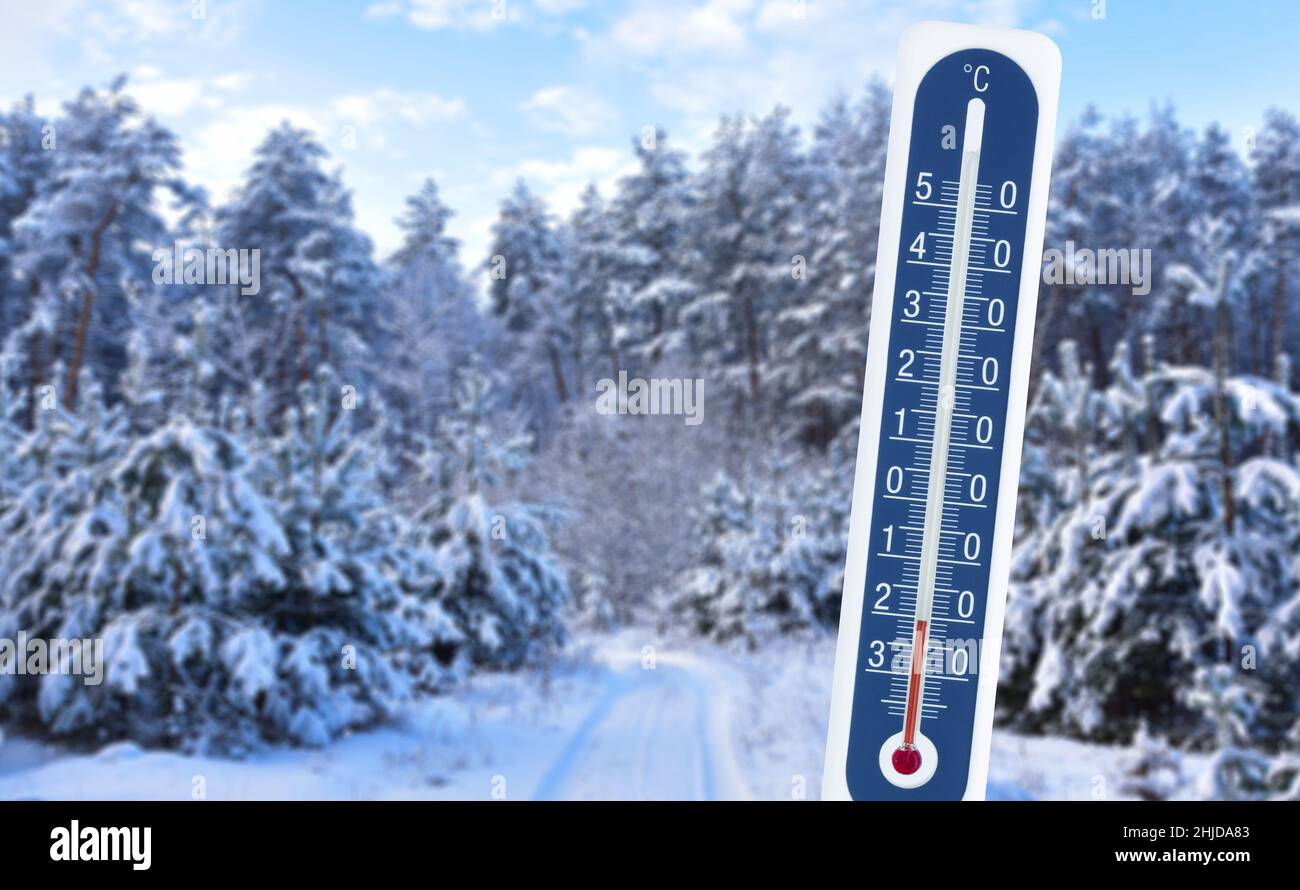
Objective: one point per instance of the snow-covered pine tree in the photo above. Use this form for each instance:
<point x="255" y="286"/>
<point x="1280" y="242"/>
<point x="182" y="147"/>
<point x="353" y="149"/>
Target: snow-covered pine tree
<point x="108" y="541"/>
<point x="89" y="231"/>
<point x="750" y="229"/>
<point x="319" y="301"/>
<point x="437" y="325"/>
<point x="819" y="349"/>
<point x="1174" y="559"/>
<point x="1117" y="183"/>
<point x="816" y="526"/>
<point x="769" y="558"/>
<point x="24" y="170"/>
<point x="527" y="294"/>
<point x="711" y="595"/>
<point x="56" y="466"/>
<point x="344" y="303"/>
<point x="651" y="218"/>
<point x="1154" y="771"/>
<point x="498" y="581"/>
<point x="1276" y="185"/>
<point x="14" y="396"/>
<point x="241" y="598"/>
<point x="597" y="294"/>
<point x="347" y="601"/>
<point x="1228" y="703"/>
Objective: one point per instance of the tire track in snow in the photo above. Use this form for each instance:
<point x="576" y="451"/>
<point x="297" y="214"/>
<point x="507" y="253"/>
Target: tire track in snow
<point x="563" y="766"/>
<point x="661" y="733"/>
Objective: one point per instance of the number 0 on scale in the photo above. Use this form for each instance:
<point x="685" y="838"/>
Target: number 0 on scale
<point x="934" y="497"/>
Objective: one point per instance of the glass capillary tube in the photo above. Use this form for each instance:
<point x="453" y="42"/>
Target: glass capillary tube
<point x="932" y="528"/>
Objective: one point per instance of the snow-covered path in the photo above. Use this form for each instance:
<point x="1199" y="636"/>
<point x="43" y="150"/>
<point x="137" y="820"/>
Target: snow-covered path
<point x="614" y="720"/>
<point x="621" y="717"/>
<point x="660" y="731"/>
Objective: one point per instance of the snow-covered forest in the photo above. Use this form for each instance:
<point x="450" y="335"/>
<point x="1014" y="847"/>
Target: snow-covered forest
<point x="290" y="513"/>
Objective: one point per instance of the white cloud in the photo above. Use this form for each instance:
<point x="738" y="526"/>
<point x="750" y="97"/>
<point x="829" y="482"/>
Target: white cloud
<point x="109" y="34"/>
<point x="176" y="96"/>
<point x="570" y="110"/>
<point x="413" y="107"/>
<point x="384" y="10"/>
<point x="168" y="97"/>
<point x="559" y="7"/>
<point x="354" y="128"/>
<point x="561" y="182"/>
<point x="725" y="56"/>
<point x="672" y="29"/>
<point x="103" y="23"/>
<point x="232" y="81"/>
<point x="221" y="150"/>
<point x="433" y="15"/>
<point x="139" y="19"/>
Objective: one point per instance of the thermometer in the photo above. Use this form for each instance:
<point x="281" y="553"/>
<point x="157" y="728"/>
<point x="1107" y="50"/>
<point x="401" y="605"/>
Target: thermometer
<point x="934" y="496"/>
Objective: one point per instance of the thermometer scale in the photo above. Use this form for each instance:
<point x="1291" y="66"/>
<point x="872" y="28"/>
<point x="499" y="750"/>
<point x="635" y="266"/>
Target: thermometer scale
<point x="961" y="238"/>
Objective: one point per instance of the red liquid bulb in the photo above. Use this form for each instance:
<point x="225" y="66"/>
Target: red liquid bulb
<point x="906" y="759"/>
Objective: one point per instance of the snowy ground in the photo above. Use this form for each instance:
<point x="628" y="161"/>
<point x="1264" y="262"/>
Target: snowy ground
<point x="614" y="719"/>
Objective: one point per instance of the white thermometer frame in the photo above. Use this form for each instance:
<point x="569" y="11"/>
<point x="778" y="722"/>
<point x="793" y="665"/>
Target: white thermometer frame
<point x="920" y="47"/>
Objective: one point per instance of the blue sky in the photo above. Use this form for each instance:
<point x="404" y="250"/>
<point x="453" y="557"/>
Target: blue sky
<point x="479" y="92"/>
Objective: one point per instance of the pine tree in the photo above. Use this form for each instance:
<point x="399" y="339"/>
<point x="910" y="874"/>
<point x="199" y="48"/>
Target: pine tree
<point x="1276" y="182"/>
<point x="1104" y="173"/>
<point x="91" y="229"/>
<point x="651" y="216"/>
<point x="319" y="302"/>
<point x="596" y="293"/>
<point x="1122" y="595"/>
<point x="498" y="580"/>
<point x="437" y="326"/>
<point x="242" y="597"/>
<point x="770" y="558"/>
<point x="1227" y="704"/>
<point x="108" y="541"/>
<point x="711" y="595"/>
<point x="819" y="351"/>
<point x="750" y="229"/>
<point x="1155" y="769"/>
<point x="26" y="151"/>
<point x="527" y="291"/>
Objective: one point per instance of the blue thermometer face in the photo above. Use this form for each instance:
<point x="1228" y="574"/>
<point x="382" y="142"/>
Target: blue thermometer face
<point x="945" y="402"/>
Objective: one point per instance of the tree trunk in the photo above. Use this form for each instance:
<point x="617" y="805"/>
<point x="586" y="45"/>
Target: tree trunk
<point x="1100" y="366"/>
<point x="297" y="361"/>
<point x="1221" y="360"/>
<point x="1279" y="318"/>
<point x="1153" y="434"/>
<point x="35" y="363"/>
<point x="557" y="369"/>
<point x="751" y="347"/>
<point x="657" y="350"/>
<point x="87" y="303"/>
